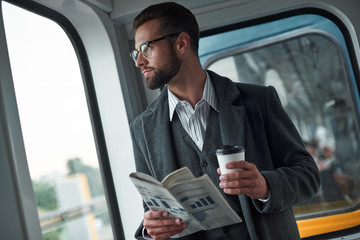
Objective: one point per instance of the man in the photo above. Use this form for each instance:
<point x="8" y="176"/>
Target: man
<point x="197" y="112"/>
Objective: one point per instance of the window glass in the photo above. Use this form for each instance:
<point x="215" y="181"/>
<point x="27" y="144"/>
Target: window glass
<point x="56" y="128"/>
<point x="304" y="58"/>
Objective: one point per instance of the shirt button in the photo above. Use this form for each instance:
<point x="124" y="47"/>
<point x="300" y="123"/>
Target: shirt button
<point x="204" y="164"/>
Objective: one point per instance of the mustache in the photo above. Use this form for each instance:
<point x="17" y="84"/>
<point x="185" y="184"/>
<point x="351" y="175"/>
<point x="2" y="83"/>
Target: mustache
<point x="147" y="68"/>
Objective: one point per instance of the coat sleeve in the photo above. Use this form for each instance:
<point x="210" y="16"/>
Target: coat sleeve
<point x="295" y="176"/>
<point x="140" y="163"/>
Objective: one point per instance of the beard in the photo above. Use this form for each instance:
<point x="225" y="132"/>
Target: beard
<point x="164" y="74"/>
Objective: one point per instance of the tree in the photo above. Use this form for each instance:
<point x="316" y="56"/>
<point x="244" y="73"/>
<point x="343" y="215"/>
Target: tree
<point x="75" y="166"/>
<point x="45" y="196"/>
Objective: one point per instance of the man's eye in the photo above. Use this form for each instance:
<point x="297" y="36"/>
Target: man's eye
<point x="145" y="48"/>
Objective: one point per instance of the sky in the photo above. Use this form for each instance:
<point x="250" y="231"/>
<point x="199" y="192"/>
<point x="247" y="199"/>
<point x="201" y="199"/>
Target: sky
<point x="49" y="92"/>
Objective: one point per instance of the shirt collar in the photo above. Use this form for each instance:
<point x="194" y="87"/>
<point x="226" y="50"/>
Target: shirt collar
<point x="208" y="96"/>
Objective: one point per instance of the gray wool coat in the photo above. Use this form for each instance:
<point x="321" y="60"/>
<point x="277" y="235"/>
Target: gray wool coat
<point x="250" y="116"/>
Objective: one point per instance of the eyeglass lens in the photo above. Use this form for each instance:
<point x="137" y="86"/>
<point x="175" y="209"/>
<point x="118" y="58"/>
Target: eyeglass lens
<point x="144" y="49"/>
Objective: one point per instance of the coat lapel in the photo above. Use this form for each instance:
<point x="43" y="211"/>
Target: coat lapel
<point x="231" y="112"/>
<point x="232" y="128"/>
<point x="160" y="149"/>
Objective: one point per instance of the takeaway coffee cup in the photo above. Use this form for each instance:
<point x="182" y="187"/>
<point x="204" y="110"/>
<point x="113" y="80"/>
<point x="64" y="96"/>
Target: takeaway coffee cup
<point x="227" y="154"/>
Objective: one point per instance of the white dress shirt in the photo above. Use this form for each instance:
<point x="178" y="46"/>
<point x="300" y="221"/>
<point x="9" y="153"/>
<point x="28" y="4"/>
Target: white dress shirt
<point x="194" y="120"/>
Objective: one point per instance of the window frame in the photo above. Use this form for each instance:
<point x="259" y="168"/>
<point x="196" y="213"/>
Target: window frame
<point x="314" y="221"/>
<point x="20" y="166"/>
<point x="299" y="10"/>
<point x="290" y="36"/>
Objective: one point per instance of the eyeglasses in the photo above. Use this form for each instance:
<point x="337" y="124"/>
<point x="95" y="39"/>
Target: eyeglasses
<point x="145" y="47"/>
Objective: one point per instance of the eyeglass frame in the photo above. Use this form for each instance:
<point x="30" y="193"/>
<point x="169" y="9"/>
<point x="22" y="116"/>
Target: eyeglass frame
<point x="137" y="51"/>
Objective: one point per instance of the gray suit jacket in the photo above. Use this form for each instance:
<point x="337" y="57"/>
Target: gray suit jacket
<point x="250" y="116"/>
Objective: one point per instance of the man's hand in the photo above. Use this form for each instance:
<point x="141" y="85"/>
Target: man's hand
<point x="247" y="181"/>
<point x="159" y="226"/>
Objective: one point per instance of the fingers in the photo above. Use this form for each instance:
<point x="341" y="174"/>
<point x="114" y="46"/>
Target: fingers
<point x="237" y="165"/>
<point x="248" y="171"/>
<point x="240" y="165"/>
<point x="164" y="233"/>
<point x="155" y="214"/>
<point x="159" y="219"/>
<point x="160" y="226"/>
<point x="247" y="181"/>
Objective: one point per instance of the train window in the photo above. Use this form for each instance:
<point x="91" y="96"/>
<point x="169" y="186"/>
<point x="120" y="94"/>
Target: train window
<point x="305" y="59"/>
<point x="56" y="128"/>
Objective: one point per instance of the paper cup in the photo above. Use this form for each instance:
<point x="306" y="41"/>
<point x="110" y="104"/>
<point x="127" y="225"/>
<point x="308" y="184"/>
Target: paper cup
<point x="227" y="154"/>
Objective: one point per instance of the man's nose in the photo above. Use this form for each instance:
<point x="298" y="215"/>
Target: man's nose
<point x="141" y="60"/>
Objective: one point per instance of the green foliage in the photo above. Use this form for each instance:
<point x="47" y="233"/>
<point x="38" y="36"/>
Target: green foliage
<point x="53" y="235"/>
<point x="75" y="166"/>
<point x="45" y="196"/>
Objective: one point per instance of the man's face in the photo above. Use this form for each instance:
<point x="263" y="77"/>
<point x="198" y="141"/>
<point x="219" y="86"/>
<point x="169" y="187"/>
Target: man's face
<point x="163" y="64"/>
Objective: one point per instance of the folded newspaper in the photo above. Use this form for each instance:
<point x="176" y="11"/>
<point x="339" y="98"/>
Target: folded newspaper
<point x="195" y="200"/>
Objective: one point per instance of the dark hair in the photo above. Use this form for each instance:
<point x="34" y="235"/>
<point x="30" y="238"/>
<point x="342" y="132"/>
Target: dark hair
<point x="173" y="18"/>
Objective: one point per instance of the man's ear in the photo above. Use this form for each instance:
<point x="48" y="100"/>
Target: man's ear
<point x="183" y="42"/>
